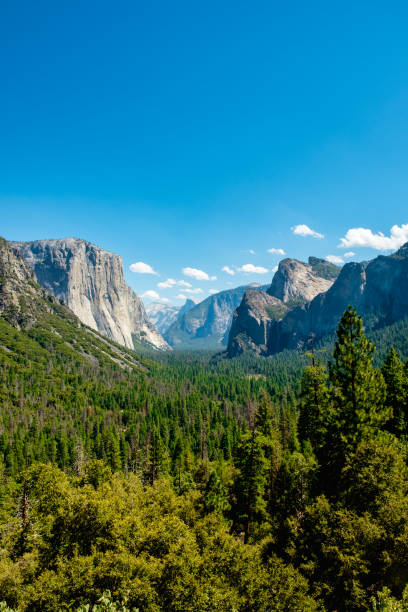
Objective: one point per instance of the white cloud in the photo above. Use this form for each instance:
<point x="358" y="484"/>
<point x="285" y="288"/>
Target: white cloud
<point x="305" y="230"/>
<point x="251" y="269"/>
<point x="213" y="291"/>
<point x="334" y="259"/>
<point x="197" y="274"/>
<point x="276" y="251"/>
<point x="152" y="295"/>
<point x="349" y="254"/>
<point x="228" y="270"/>
<point x="171" y="282"/>
<point x="251" y="252"/>
<point x="364" y="237"/>
<point x="198" y="290"/>
<point x="142" y="268"/>
<point x="275" y="269"/>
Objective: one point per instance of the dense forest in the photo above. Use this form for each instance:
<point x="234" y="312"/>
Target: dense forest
<point x="192" y="482"/>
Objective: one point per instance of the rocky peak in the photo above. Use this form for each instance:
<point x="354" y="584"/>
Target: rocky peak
<point x="296" y="282"/>
<point x="188" y="305"/>
<point x="22" y="300"/>
<point x="402" y="251"/>
<point x="90" y="281"/>
<point x="252" y="322"/>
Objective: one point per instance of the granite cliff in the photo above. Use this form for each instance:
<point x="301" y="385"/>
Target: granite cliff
<point x="161" y="315"/>
<point x="295" y="283"/>
<point x="89" y="280"/>
<point x="378" y="289"/>
<point x="206" y="325"/>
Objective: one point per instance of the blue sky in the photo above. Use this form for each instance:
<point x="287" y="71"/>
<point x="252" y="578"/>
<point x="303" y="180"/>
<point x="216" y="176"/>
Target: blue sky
<point x="185" y="134"/>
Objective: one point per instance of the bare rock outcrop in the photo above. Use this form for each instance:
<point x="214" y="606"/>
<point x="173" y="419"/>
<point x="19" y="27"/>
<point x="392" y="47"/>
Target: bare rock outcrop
<point x="296" y="281"/>
<point x="252" y="322"/>
<point x="378" y="289"/>
<point x="90" y="281"/>
<point x="255" y="322"/>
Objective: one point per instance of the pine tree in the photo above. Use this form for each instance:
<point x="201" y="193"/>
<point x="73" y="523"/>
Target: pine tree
<point x="314" y="406"/>
<point x="396" y="390"/>
<point x="357" y="391"/>
<point x="251" y="483"/>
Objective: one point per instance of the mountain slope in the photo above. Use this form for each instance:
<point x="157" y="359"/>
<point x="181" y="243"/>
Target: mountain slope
<point x="206" y="325"/>
<point x="161" y="315"/>
<point x="294" y="283"/>
<point x="378" y="289"/>
<point x="33" y="322"/>
<point x="90" y="281"/>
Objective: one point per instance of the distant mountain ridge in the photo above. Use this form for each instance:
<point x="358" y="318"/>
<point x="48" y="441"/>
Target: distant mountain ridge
<point x="161" y="315"/>
<point x="295" y="283"/>
<point x="378" y="289"/>
<point x="206" y="325"/>
<point x="90" y="281"/>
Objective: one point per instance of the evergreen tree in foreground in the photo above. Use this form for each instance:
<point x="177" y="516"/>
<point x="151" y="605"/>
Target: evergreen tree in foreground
<point x="357" y="393"/>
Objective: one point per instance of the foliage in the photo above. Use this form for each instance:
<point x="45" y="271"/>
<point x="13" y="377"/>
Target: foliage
<point x="189" y="482"/>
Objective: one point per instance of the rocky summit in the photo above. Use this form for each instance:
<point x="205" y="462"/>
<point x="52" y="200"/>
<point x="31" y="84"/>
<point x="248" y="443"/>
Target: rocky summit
<point x="296" y="281"/>
<point x="90" y="281"/>
<point x="205" y="325"/>
<point x="294" y="284"/>
<point x="378" y="289"/>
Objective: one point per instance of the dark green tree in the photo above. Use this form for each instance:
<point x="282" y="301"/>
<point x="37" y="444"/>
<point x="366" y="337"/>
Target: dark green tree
<point x="358" y="389"/>
<point x="396" y="391"/>
<point x="315" y="407"/>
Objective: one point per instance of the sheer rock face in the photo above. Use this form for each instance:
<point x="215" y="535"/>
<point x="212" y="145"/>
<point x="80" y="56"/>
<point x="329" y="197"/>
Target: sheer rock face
<point x="162" y="315"/>
<point x="298" y="281"/>
<point x="295" y="283"/>
<point x="252" y="322"/>
<point x="89" y="280"/>
<point x="207" y="324"/>
<point x="378" y="289"/>
<point x="21" y="297"/>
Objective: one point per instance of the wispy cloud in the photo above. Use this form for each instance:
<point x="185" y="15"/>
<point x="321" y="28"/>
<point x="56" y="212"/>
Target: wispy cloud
<point x="305" y="230"/>
<point x="196" y="291"/>
<point x="276" y="251"/>
<point x="142" y="268"/>
<point x="197" y="274"/>
<point x="364" y="237"/>
<point x="171" y="282"/>
<point x="335" y="259"/>
<point x="228" y="270"/>
<point x="153" y="295"/>
<point x="213" y="291"/>
<point x="349" y="254"/>
<point x="251" y="252"/>
<point x="274" y="269"/>
<point x="251" y="269"/>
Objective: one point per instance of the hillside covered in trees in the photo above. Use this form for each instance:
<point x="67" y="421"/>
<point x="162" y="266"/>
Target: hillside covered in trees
<point x="196" y="483"/>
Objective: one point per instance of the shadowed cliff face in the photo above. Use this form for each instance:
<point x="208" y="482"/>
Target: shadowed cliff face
<point x="252" y="322"/>
<point x="255" y="322"/>
<point x="21" y="298"/>
<point x="89" y="280"/>
<point x="377" y="289"/>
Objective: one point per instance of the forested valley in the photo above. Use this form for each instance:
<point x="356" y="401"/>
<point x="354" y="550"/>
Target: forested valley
<point x="199" y="483"/>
